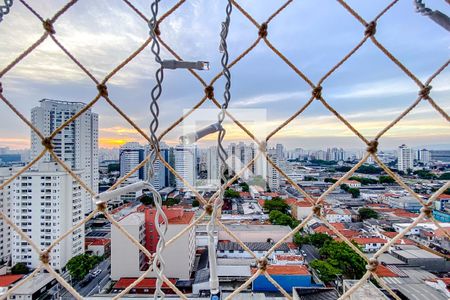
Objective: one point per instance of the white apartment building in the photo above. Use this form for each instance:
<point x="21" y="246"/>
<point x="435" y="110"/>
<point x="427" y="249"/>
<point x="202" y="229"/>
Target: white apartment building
<point x="76" y="144"/>
<point x="405" y="158"/>
<point x="130" y="155"/>
<point x="5" y="208"/>
<point x="46" y="203"/>
<point x="273" y="176"/>
<point x="186" y="164"/>
<point x="212" y="165"/>
<point x="424" y="156"/>
<point x="128" y="261"/>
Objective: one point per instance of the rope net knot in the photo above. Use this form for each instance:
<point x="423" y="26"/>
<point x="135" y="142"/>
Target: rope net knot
<point x="427" y="211"/>
<point x="372" y="147"/>
<point x="263" y="30"/>
<point x="263" y="263"/>
<point x="44" y="257"/>
<point x="372" y="265"/>
<point x="102" y="206"/>
<point x="424" y="93"/>
<point x="47" y="143"/>
<point x="103" y="90"/>
<point x="317" y="209"/>
<point x="209" y="92"/>
<point x="371" y="29"/>
<point x="48" y="26"/>
<point x="208" y="209"/>
<point x="317" y="92"/>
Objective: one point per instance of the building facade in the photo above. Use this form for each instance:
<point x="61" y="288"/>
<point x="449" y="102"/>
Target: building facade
<point x="185" y="165"/>
<point x="46" y="203"/>
<point x="76" y="144"/>
<point x="405" y="158"/>
<point x="130" y="155"/>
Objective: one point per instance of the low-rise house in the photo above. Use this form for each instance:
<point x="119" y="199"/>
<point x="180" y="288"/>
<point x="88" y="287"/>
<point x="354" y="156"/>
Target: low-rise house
<point x="99" y="247"/>
<point x="370" y="244"/>
<point x="338" y="215"/>
<point x="256" y="233"/>
<point x="352" y="183"/>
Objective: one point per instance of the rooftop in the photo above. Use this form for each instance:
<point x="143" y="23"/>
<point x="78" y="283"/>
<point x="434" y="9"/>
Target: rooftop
<point x="124" y="282"/>
<point x="7" y="280"/>
<point x="285" y="270"/>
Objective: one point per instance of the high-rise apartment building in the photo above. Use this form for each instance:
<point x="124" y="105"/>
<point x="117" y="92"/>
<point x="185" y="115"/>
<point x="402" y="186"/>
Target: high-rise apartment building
<point x="5" y="208"/>
<point x="130" y="155"/>
<point x="239" y="155"/>
<point x="424" y="156"/>
<point x="273" y="176"/>
<point x="405" y="158"/>
<point x="161" y="174"/>
<point x="76" y="144"/>
<point x="185" y="164"/>
<point x="46" y="203"/>
<point x="212" y="165"/>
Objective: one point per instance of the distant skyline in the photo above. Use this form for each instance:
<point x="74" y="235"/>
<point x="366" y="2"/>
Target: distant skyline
<point x="368" y="90"/>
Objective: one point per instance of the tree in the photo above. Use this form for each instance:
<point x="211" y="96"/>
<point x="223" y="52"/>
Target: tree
<point x="445" y="176"/>
<point x="230" y="193"/>
<point x="386" y="179"/>
<point x="341" y="256"/>
<point x="424" y="174"/>
<point x="146" y="199"/>
<point x="319" y="239"/>
<point x="325" y="270"/>
<point x="331" y="180"/>
<point x="171" y="202"/>
<point x="195" y="203"/>
<point x="80" y="265"/>
<point x="364" y="180"/>
<point x="310" y="178"/>
<point x="343" y="169"/>
<point x="355" y="192"/>
<point x="244" y="186"/>
<point x="344" y="187"/>
<point x="364" y="169"/>
<point x="20" y="268"/>
<point x="276" y="204"/>
<point x="367" y="213"/>
<point x="301" y="240"/>
<point x="279" y="218"/>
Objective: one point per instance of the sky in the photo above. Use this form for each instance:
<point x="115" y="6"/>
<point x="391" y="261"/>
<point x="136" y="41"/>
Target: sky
<point x="369" y="90"/>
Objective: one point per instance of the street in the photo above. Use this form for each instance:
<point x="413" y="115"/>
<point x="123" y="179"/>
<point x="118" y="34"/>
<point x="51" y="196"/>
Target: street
<point x="95" y="285"/>
<point x="312" y="252"/>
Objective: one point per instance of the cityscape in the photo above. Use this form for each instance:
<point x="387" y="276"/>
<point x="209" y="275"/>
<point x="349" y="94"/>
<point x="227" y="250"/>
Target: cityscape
<point x="249" y="150"/>
<point x="261" y="207"/>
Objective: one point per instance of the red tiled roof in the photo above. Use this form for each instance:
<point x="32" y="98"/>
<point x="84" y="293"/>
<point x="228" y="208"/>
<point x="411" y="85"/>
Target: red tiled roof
<point x="244" y="194"/>
<point x="7" y="280"/>
<point x="440" y="232"/>
<point x="268" y="194"/>
<point x="389" y="234"/>
<point x="289" y="257"/>
<point x="338" y="226"/>
<point x="349" y="233"/>
<point x="363" y="240"/>
<point x="186" y="218"/>
<point x="384" y="271"/>
<point x="124" y="282"/>
<point x="285" y="270"/>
